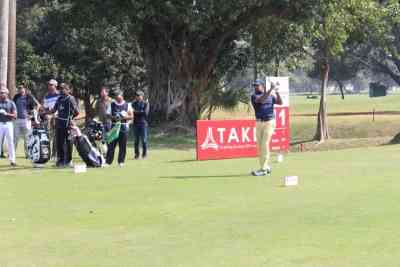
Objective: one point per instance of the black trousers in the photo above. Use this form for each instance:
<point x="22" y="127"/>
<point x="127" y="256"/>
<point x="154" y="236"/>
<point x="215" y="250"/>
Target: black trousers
<point x="64" y="146"/>
<point x="2" y="146"/>
<point x="121" y="141"/>
<point x="141" y="135"/>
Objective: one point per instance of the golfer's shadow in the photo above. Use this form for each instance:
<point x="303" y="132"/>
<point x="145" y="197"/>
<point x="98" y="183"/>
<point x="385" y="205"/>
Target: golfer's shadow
<point x="25" y="167"/>
<point x="17" y="168"/>
<point x="204" y="176"/>
<point x="182" y="161"/>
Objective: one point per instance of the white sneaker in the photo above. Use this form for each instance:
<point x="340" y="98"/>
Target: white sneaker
<point x="262" y="172"/>
<point x="259" y="173"/>
<point x="121" y="165"/>
<point x="36" y="165"/>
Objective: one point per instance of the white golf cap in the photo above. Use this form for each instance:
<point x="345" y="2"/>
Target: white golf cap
<point x="53" y="82"/>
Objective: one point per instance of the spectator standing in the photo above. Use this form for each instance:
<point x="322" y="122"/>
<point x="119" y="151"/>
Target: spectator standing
<point x="67" y="109"/>
<point x="141" y="109"/>
<point x="48" y="104"/>
<point x="102" y="107"/>
<point x="25" y="103"/>
<point x="8" y="113"/>
<point x="119" y="111"/>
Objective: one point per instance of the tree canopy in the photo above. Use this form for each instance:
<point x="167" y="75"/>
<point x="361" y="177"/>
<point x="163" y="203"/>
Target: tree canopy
<point x="187" y="55"/>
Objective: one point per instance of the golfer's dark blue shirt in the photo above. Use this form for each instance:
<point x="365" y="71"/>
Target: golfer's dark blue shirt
<point x="264" y="111"/>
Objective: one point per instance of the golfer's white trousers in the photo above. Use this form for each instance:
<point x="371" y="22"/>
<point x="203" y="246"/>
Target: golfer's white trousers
<point x="21" y="129"/>
<point x="7" y="134"/>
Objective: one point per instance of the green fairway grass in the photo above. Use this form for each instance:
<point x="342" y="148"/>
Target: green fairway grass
<point x="303" y="128"/>
<point x="351" y="103"/>
<point x="170" y="210"/>
<point x="302" y="105"/>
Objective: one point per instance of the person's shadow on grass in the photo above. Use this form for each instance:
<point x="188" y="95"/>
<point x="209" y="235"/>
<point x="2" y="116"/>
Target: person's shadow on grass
<point x="24" y="167"/>
<point x="17" y="168"/>
<point x="182" y="161"/>
<point x="204" y="176"/>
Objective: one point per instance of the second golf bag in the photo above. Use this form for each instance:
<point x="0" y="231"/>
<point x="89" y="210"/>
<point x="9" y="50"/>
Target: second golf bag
<point x="38" y="144"/>
<point x="95" y="132"/>
<point x="88" y="153"/>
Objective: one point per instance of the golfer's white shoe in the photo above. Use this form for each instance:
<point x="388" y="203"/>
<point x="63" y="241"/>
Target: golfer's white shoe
<point x="262" y="172"/>
<point x="258" y="173"/>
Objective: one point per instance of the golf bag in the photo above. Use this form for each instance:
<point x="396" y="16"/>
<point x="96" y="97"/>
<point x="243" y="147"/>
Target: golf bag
<point x="95" y="132"/>
<point x="38" y="144"/>
<point x="88" y="153"/>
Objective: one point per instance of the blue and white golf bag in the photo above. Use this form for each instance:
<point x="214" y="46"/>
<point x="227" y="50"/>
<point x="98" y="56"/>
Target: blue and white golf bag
<point x="38" y="146"/>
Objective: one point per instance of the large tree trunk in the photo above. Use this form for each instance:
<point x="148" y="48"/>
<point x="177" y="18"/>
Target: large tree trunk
<point x="4" y="20"/>
<point x="182" y="60"/>
<point x="255" y="59"/>
<point x="178" y="78"/>
<point x="322" y="133"/>
<point x="90" y="113"/>
<point x="11" y="83"/>
<point x="277" y="66"/>
<point x="210" y="112"/>
<point x="341" y="88"/>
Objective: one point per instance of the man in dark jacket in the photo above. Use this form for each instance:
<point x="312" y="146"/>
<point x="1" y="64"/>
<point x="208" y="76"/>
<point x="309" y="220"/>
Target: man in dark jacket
<point x="140" y="109"/>
<point x="67" y="109"/>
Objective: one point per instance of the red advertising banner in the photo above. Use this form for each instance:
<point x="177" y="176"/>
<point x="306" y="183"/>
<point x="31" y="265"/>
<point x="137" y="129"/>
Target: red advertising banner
<point x="223" y="139"/>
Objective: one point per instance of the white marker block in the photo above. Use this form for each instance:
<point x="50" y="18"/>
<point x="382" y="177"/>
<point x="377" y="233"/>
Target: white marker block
<point x="80" y="168"/>
<point x="279" y="158"/>
<point x="291" y="181"/>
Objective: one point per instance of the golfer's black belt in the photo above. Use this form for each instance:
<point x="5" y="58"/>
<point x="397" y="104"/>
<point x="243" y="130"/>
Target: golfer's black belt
<point x="264" y="120"/>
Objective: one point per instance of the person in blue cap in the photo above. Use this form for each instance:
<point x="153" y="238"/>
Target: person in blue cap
<point x="141" y="108"/>
<point x="263" y="101"/>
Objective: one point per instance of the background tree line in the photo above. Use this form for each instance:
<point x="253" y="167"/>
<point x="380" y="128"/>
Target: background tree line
<point x="192" y="57"/>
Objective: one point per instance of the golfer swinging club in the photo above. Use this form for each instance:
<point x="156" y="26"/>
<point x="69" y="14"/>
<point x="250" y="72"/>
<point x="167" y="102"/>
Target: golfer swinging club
<point x="263" y="102"/>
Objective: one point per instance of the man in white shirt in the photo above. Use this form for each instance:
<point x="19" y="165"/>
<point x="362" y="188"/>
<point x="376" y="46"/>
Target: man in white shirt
<point x="8" y="113"/>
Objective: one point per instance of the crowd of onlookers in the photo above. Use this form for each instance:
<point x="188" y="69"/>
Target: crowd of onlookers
<point x="59" y="109"/>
